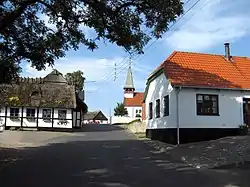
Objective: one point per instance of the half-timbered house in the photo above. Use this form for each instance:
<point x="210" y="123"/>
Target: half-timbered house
<point x="41" y="103"/>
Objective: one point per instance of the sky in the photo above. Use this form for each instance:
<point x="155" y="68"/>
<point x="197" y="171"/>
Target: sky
<point x="205" y="28"/>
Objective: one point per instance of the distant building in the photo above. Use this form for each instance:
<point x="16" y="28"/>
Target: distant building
<point x="48" y="102"/>
<point x="133" y="101"/>
<point x="96" y="117"/>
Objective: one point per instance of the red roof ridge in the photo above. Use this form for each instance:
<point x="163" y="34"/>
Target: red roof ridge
<point x="202" y="53"/>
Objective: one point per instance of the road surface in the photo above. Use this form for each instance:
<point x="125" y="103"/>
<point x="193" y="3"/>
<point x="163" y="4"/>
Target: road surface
<point x="107" y="156"/>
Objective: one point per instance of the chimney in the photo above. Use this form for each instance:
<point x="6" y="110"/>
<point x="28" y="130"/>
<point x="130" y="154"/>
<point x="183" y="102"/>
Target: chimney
<point x="227" y="51"/>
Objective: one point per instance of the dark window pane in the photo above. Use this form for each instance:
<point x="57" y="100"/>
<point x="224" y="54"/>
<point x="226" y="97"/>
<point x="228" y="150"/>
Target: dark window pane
<point x="62" y="114"/>
<point x="208" y="105"/>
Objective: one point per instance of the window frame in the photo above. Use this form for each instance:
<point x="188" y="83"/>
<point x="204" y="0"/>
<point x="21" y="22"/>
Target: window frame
<point x="18" y="113"/>
<point x="50" y="116"/>
<point x="62" y="110"/>
<point x="150" y="110"/>
<point x="158" y="108"/>
<point x="166" y="105"/>
<point x="30" y="109"/>
<point x="198" y="113"/>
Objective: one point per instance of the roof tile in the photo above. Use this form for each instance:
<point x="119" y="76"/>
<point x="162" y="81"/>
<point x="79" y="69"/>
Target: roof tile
<point x="207" y="70"/>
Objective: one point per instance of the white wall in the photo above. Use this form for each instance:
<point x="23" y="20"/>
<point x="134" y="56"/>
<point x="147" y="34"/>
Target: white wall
<point x="158" y="89"/>
<point x="13" y="123"/>
<point x="2" y="114"/>
<point x="28" y="123"/>
<point x="132" y="111"/>
<point x="41" y="122"/>
<point x="68" y="117"/>
<point x="121" y="119"/>
<point x="230" y="109"/>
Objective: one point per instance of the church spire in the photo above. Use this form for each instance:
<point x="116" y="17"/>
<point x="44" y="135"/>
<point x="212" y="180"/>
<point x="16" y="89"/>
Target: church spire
<point x="129" y="87"/>
<point x="129" y="84"/>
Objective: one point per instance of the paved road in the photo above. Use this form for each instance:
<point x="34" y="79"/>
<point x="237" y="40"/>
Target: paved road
<point x="106" y="156"/>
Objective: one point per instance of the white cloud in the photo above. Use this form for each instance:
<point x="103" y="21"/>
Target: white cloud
<point x="214" y="22"/>
<point x="100" y="70"/>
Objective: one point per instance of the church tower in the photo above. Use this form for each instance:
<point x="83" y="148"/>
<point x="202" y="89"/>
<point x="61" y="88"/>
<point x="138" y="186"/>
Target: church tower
<point x="129" y="87"/>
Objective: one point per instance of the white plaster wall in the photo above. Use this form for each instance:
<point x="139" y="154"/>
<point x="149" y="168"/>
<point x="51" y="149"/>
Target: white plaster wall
<point x="129" y="94"/>
<point x="27" y="123"/>
<point x="132" y="111"/>
<point x="2" y="114"/>
<point x="159" y="88"/>
<point x="68" y="117"/>
<point x="230" y="109"/>
<point x="121" y="119"/>
<point x="13" y="123"/>
<point x="42" y="123"/>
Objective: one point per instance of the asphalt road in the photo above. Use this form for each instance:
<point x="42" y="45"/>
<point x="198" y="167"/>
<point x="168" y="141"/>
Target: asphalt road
<point x="107" y="156"/>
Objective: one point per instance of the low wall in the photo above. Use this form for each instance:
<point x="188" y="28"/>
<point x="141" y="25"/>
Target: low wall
<point x="137" y="127"/>
<point x="121" y="119"/>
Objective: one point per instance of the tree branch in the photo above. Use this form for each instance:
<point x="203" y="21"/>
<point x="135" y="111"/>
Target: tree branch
<point x="10" y="18"/>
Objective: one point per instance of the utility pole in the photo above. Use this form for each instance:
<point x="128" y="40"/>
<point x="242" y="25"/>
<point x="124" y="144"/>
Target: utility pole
<point x="110" y="117"/>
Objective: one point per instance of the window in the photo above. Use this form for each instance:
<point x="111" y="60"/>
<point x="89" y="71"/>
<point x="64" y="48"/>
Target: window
<point x="140" y="111"/>
<point x="207" y="104"/>
<point x="30" y="112"/>
<point x="136" y="111"/>
<point x="62" y="114"/>
<point x="166" y="106"/>
<point x="157" y="108"/>
<point x="150" y="110"/>
<point x="14" y="112"/>
<point x="46" y="113"/>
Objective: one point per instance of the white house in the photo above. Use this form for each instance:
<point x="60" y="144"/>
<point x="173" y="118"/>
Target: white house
<point x="133" y="101"/>
<point x="195" y="97"/>
<point x="96" y="117"/>
<point x="41" y="103"/>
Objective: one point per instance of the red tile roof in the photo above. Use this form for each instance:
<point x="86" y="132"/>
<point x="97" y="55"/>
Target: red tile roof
<point x="135" y="101"/>
<point x="207" y="70"/>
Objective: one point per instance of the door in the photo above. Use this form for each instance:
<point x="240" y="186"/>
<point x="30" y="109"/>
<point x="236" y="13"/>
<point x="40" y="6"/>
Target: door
<point x="246" y="110"/>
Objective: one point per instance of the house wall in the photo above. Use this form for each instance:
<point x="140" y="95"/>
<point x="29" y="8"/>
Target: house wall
<point x="38" y="121"/>
<point x="192" y="127"/>
<point x="77" y="119"/>
<point x="96" y="121"/>
<point x="230" y="109"/>
<point x="2" y="116"/>
<point x="159" y="88"/>
<point x="132" y="111"/>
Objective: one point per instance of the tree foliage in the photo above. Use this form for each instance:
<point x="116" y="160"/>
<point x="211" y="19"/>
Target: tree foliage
<point x="24" y="35"/>
<point x="76" y="78"/>
<point x="120" y="110"/>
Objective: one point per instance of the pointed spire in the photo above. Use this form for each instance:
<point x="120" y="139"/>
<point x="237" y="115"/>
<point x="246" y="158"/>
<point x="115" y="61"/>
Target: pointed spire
<point x="129" y="81"/>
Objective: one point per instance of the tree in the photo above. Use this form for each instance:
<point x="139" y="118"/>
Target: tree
<point x="120" y="110"/>
<point x="76" y="78"/>
<point x="24" y="35"/>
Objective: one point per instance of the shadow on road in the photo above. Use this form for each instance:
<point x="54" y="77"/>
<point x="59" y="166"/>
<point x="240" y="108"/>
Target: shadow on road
<point x="120" y="163"/>
<point x="101" y="128"/>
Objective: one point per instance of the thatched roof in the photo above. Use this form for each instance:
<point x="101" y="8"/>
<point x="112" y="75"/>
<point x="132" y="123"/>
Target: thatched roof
<point x="95" y="115"/>
<point x="40" y="92"/>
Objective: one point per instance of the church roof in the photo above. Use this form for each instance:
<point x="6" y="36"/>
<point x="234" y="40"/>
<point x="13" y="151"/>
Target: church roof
<point x="137" y="100"/>
<point x="129" y="80"/>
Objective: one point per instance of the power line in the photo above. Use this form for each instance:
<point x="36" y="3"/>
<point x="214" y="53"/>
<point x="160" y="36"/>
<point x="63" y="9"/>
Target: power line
<point x="150" y="45"/>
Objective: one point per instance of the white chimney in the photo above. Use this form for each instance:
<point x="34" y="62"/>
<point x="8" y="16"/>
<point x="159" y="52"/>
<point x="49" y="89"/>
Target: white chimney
<point x="227" y="51"/>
